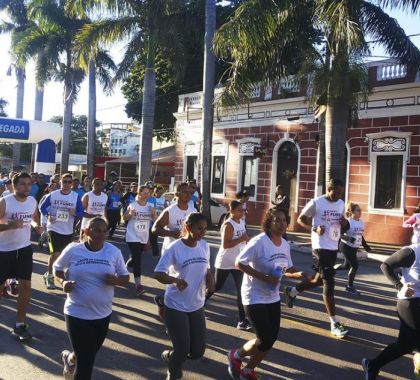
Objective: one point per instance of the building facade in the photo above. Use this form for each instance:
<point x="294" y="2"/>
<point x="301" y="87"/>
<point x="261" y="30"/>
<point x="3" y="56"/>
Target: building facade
<point x="274" y="140"/>
<point x="120" y="139"/>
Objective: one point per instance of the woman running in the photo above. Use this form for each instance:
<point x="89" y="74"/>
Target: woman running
<point x="138" y="216"/>
<point x="408" y="307"/>
<point x="88" y="272"/>
<point x="114" y="207"/>
<point x="188" y="262"/>
<point x="234" y="239"/>
<point x="414" y="223"/>
<point x="351" y="239"/>
<point x="264" y="260"/>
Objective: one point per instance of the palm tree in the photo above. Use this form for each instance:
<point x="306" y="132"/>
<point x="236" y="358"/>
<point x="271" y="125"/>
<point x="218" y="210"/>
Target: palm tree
<point x="17" y="12"/>
<point x="56" y="31"/>
<point x="208" y="100"/>
<point x="259" y="32"/>
<point x="148" y="24"/>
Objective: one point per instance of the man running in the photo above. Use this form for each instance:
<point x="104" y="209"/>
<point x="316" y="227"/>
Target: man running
<point x="18" y="211"/>
<point x="94" y="203"/>
<point x="60" y="207"/>
<point x="170" y="222"/>
<point x="327" y="214"/>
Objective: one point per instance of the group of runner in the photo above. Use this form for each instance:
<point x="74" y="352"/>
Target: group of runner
<point x="89" y="270"/>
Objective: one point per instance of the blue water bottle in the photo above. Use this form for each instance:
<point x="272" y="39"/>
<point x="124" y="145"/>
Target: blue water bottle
<point x="278" y="272"/>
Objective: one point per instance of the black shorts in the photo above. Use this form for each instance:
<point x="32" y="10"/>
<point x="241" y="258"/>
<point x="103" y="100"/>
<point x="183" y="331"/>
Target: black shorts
<point x="57" y="242"/>
<point x="16" y="264"/>
<point x="323" y="262"/>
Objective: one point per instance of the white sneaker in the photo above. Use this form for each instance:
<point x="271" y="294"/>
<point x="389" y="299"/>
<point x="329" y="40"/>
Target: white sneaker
<point x="339" y="330"/>
<point x="68" y="368"/>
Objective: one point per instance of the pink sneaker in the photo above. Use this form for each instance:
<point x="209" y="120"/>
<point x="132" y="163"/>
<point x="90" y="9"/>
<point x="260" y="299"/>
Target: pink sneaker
<point x="140" y="290"/>
<point x="234" y="367"/>
<point x="248" y="375"/>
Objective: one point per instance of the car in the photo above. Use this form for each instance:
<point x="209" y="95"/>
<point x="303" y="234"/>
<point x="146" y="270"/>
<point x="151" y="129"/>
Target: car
<point x="218" y="211"/>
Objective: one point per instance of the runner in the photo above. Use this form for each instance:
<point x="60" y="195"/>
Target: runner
<point x="88" y="272"/>
<point x="138" y="217"/>
<point x="264" y="260"/>
<point x="414" y="223"/>
<point x="43" y="239"/>
<point x="327" y="216"/>
<point x="114" y="207"/>
<point x="188" y="262"/>
<point x="159" y="202"/>
<point x="352" y="239"/>
<point x="408" y="307"/>
<point x="60" y="206"/>
<point x="18" y="212"/>
<point x="129" y="196"/>
<point x="170" y="223"/>
<point x="234" y="239"/>
<point x="94" y="203"/>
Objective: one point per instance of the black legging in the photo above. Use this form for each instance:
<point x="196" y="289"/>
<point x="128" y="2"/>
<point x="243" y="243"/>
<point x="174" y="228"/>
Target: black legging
<point x="350" y="261"/>
<point x="154" y="243"/>
<point x="408" y="337"/>
<point x="86" y="338"/>
<point x="114" y="217"/>
<point x="136" y="250"/>
<point x="265" y="319"/>
<point x="221" y="276"/>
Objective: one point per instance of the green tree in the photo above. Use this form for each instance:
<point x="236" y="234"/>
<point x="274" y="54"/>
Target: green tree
<point x="265" y="38"/>
<point x="3" y="104"/>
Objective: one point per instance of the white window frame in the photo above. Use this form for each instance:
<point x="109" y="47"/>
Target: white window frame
<point x="373" y="155"/>
<point x="219" y="149"/>
<point x="254" y="141"/>
<point x="194" y="150"/>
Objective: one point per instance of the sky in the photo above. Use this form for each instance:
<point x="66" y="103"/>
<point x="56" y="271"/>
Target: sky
<point x="110" y="109"/>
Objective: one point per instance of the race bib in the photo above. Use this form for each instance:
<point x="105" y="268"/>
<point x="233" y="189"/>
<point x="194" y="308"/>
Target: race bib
<point x="115" y="204"/>
<point x="334" y="232"/>
<point x="141" y="226"/>
<point x="358" y="240"/>
<point x="62" y="216"/>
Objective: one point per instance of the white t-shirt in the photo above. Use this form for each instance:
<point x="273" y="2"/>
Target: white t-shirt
<point x="356" y="231"/>
<point x="226" y="257"/>
<point x="416" y="230"/>
<point x="61" y="204"/>
<point x="138" y="225"/>
<point x="264" y="256"/>
<point x="190" y="264"/>
<point x="91" y="298"/>
<point x="412" y="274"/>
<point x="96" y="206"/>
<point x="176" y="220"/>
<point x="326" y="213"/>
<point x="11" y="240"/>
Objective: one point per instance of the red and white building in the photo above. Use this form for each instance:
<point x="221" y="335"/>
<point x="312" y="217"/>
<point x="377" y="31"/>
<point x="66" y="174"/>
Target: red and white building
<point x="383" y="150"/>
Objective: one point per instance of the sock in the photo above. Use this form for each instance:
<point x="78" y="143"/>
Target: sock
<point x="18" y="324"/>
<point x="137" y="280"/>
<point x="333" y="320"/>
<point x="293" y="292"/>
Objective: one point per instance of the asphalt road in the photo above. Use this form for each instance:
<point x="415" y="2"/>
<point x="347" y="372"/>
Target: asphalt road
<point x="304" y="350"/>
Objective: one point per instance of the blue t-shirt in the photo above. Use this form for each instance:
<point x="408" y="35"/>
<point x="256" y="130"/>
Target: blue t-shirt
<point x="114" y="201"/>
<point x="34" y="190"/>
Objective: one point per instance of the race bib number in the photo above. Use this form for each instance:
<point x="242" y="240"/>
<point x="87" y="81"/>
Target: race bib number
<point x="334" y="232"/>
<point x="62" y="216"/>
<point x="141" y="226"/>
<point x="358" y="240"/>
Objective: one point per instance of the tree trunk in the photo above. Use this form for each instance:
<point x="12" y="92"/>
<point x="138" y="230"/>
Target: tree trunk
<point x="148" y="114"/>
<point x="208" y="104"/>
<point x="20" y="95"/>
<point x="65" y="137"/>
<point x="39" y="106"/>
<point x="320" y="165"/>
<point x="91" y="125"/>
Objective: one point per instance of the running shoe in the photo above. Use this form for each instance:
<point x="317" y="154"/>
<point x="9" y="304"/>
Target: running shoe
<point x="68" y="367"/>
<point x="416" y="362"/>
<point x="249" y="375"/>
<point x="49" y="281"/>
<point x="129" y="265"/>
<point x="288" y="299"/>
<point x="370" y="374"/>
<point x="22" y="332"/>
<point x="352" y="290"/>
<point x="13" y="287"/>
<point x="234" y="367"/>
<point x="140" y="290"/>
<point x="244" y="325"/>
<point x="166" y="355"/>
<point x="158" y="300"/>
<point x="339" y="330"/>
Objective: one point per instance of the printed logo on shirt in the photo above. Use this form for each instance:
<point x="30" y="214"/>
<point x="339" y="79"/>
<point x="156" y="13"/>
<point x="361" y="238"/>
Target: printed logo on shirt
<point x="25" y="216"/>
<point x="194" y="260"/>
<point x="62" y="203"/>
<point x="331" y="215"/>
<point x="277" y="256"/>
<point x="93" y="261"/>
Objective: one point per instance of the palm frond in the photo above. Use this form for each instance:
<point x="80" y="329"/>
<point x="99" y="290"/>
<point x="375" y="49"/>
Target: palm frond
<point x="413" y="5"/>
